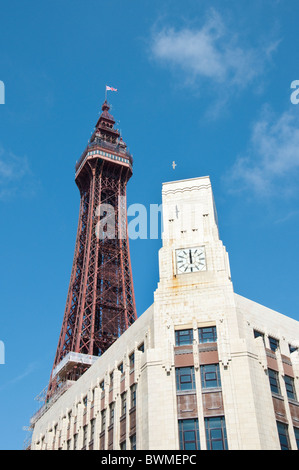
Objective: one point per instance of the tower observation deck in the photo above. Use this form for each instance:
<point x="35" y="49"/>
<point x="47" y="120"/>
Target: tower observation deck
<point x="100" y="303"/>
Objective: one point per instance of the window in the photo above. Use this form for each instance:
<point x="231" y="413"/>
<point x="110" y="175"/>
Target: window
<point x="111" y="412"/>
<point x="85" y="401"/>
<point x="183" y="337"/>
<point x="257" y="334"/>
<point x="292" y="348"/>
<point x="103" y="420"/>
<point x="121" y="367"/>
<point x="102" y="385"/>
<point x="133" y="442"/>
<point x="185" y="379"/>
<point x="274" y="381"/>
<point x="283" y="436"/>
<point x="189" y="434"/>
<point x="76" y="442"/>
<point x="133" y="395"/>
<point x="210" y="376"/>
<point x="123" y="404"/>
<point x="122" y="445"/>
<point x="111" y="380"/>
<point x="290" y="387"/>
<point x="274" y="343"/>
<point x="216" y="433"/>
<point x="84" y="436"/>
<point x="92" y="429"/>
<point x="141" y="347"/>
<point x="296" y="431"/>
<point x="207" y="334"/>
<point x="132" y="361"/>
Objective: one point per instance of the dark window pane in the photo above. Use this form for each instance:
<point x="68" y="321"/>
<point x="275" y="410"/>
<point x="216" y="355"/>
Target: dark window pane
<point x="210" y="376"/>
<point x="292" y="348"/>
<point x="183" y="337"/>
<point x="216" y="433"/>
<point x="185" y="378"/>
<point x="283" y="436"/>
<point x="189" y="434"/>
<point x="274" y="381"/>
<point x="274" y="343"/>
<point x="290" y="387"/>
<point x="207" y="334"/>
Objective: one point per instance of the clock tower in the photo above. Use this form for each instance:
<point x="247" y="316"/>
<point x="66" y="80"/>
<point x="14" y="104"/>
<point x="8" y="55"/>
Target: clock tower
<point x="192" y="251"/>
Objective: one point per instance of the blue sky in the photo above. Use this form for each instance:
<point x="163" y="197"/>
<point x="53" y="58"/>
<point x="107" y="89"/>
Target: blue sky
<point x="206" y="84"/>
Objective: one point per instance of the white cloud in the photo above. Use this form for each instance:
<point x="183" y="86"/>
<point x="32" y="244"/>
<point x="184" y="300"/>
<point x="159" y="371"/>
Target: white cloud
<point x="213" y="52"/>
<point x="15" y="175"/>
<point x="271" y="163"/>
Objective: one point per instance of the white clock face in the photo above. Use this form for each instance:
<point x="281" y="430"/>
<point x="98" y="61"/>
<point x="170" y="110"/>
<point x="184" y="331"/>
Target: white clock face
<point x="191" y="260"/>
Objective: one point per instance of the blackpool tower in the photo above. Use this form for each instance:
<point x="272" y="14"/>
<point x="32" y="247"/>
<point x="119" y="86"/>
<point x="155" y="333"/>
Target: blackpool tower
<point x="100" y="303"/>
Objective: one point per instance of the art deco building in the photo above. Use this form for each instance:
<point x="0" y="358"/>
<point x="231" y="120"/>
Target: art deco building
<point x="202" y="368"/>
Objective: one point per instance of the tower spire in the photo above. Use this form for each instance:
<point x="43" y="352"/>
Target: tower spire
<point x="100" y="304"/>
<point x="105" y="125"/>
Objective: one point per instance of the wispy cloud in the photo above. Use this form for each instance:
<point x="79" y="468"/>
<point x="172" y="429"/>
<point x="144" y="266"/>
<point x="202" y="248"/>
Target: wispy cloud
<point x="22" y="375"/>
<point x="213" y="52"/>
<point x="287" y="217"/>
<point x="16" y="177"/>
<point x="270" y="165"/>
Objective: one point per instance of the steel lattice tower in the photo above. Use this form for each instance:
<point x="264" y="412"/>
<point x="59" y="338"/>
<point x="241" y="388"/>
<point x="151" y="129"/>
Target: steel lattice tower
<point x="100" y="304"/>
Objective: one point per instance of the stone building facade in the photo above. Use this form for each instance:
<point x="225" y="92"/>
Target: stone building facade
<point x="202" y="368"/>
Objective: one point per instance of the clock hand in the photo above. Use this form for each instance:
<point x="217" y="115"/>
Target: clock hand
<point x="190" y="257"/>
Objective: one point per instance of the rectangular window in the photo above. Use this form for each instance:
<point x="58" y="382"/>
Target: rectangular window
<point x="189" y="434"/>
<point x="210" y="376"/>
<point x="133" y="395"/>
<point x="274" y="381"/>
<point x="283" y="436"/>
<point x="123" y="404"/>
<point x="92" y="429"/>
<point x="216" y="433"/>
<point x="84" y="436"/>
<point x="274" y="343"/>
<point x="207" y="334"/>
<point x="185" y="379"/>
<point x="122" y="445"/>
<point x="296" y="431"/>
<point x="133" y="442"/>
<point x="103" y="420"/>
<point x="132" y="361"/>
<point x="290" y="387"/>
<point x="183" y="337"/>
<point x="141" y="347"/>
<point x="121" y="367"/>
<point x="111" y="413"/>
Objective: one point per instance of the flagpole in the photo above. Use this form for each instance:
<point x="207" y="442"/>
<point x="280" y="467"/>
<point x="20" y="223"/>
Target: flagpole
<point x="106" y="93"/>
